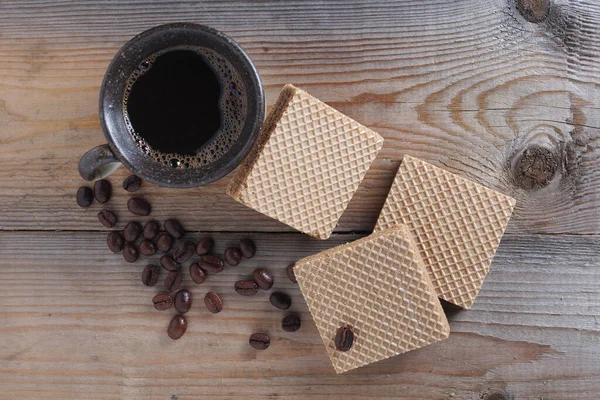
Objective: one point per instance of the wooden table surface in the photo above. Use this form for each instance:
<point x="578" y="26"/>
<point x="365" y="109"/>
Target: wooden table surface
<point x="504" y="92"/>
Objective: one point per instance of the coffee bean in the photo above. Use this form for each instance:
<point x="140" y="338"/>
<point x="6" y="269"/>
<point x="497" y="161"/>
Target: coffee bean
<point x="132" y="183"/>
<point x="263" y="278"/>
<point x="139" y="206"/>
<point x="147" y="248"/>
<point x="85" y="196"/>
<point x="213" y="302"/>
<point x="130" y="253"/>
<point x="162" y="301"/>
<point x="173" y="281"/>
<point x="233" y="256"/>
<point x="260" y="341"/>
<point x="247" y="248"/>
<point x="280" y="300"/>
<point x="164" y="242"/>
<point x="169" y="263"/>
<point x="211" y="264"/>
<point x="174" y="228"/>
<point x="183" y="301"/>
<point x="177" y="327"/>
<point x="290" y="273"/>
<point x="205" y="246"/>
<point x="115" y="241"/>
<point x="344" y="337"/>
<point x="150" y="275"/>
<point x="246" y="287"/>
<point x="184" y="251"/>
<point x="132" y="231"/>
<point x="290" y="323"/>
<point x="150" y="230"/>
<point x="107" y="218"/>
<point x="102" y="190"/>
<point x="197" y="273"/>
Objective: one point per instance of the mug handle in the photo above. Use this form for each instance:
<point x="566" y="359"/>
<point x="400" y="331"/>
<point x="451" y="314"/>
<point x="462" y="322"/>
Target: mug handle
<point x="98" y="163"/>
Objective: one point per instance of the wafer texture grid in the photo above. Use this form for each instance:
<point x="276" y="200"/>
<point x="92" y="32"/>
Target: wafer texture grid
<point x="379" y="287"/>
<point x="308" y="164"/>
<point x="457" y="224"/>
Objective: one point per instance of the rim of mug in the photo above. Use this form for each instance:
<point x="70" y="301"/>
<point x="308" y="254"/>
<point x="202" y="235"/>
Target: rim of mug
<point x="124" y="63"/>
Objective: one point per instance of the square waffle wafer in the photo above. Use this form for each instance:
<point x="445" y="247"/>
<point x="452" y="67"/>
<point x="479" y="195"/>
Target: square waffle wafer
<point x="308" y="162"/>
<point x="379" y="287"/>
<point x="456" y="223"/>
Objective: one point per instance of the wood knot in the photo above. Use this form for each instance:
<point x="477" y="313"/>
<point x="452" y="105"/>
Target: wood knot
<point x="534" y="168"/>
<point x="533" y="10"/>
<point x="497" y="395"/>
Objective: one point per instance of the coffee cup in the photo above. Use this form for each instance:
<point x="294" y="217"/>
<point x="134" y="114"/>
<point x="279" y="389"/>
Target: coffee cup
<point x="181" y="105"/>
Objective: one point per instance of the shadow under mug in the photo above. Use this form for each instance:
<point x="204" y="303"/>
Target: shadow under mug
<point x="122" y="148"/>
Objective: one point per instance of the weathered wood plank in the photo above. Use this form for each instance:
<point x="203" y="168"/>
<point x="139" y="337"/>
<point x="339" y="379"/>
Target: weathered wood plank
<point x="471" y="86"/>
<point x="78" y="323"/>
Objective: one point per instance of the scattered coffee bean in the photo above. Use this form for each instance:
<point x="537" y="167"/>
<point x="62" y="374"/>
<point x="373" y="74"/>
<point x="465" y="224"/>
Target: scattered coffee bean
<point x="183" y="301"/>
<point x="205" y="246"/>
<point x="150" y="275"/>
<point x="177" y="327"/>
<point x="85" y="196"/>
<point x="150" y="230"/>
<point x="130" y="253"/>
<point x="147" y="248"/>
<point x="132" y="231"/>
<point x="246" y="287"/>
<point x="164" y="242"/>
<point x="102" y="190"/>
<point x="184" y="251"/>
<point x="107" y="218"/>
<point x="263" y="278"/>
<point x="247" y="248"/>
<point x="233" y="256"/>
<point x="260" y="341"/>
<point x="132" y="183"/>
<point x="211" y="264"/>
<point x="197" y="273"/>
<point x="344" y="337"/>
<point x="139" y="206"/>
<point x="115" y="241"/>
<point x="174" y="228"/>
<point x="280" y="300"/>
<point x="162" y="301"/>
<point x="169" y="263"/>
<point x="290" y="273"/>
<point x="213" y="302"/>
<point x="290" y="323"/>
<point x="173" y="281"/>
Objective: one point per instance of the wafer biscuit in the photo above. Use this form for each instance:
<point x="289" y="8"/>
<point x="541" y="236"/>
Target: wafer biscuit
<point x="307" y="164"/>
<point x="379" y="287"/>
<point x="456" y="223"/>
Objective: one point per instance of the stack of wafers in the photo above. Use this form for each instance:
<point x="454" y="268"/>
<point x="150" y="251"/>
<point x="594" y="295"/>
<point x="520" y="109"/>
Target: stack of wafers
<point x="436" y="235"/>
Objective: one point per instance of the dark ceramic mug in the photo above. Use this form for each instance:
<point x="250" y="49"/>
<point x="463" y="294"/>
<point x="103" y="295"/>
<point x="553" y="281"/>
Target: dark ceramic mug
<point x="122" y="148"/>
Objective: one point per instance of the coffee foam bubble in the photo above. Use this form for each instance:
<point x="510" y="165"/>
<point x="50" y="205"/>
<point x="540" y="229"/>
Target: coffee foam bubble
<point x="233" y="106"/>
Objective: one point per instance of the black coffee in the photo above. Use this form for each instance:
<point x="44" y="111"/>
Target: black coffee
<point x="185" y="107"/>
<point x="175" y="105"/>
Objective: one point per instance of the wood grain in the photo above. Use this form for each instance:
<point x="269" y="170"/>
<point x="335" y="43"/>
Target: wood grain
<point x="470" y="86"/>
<point x="504" y="92"/>
<point x="78" y="323"/>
